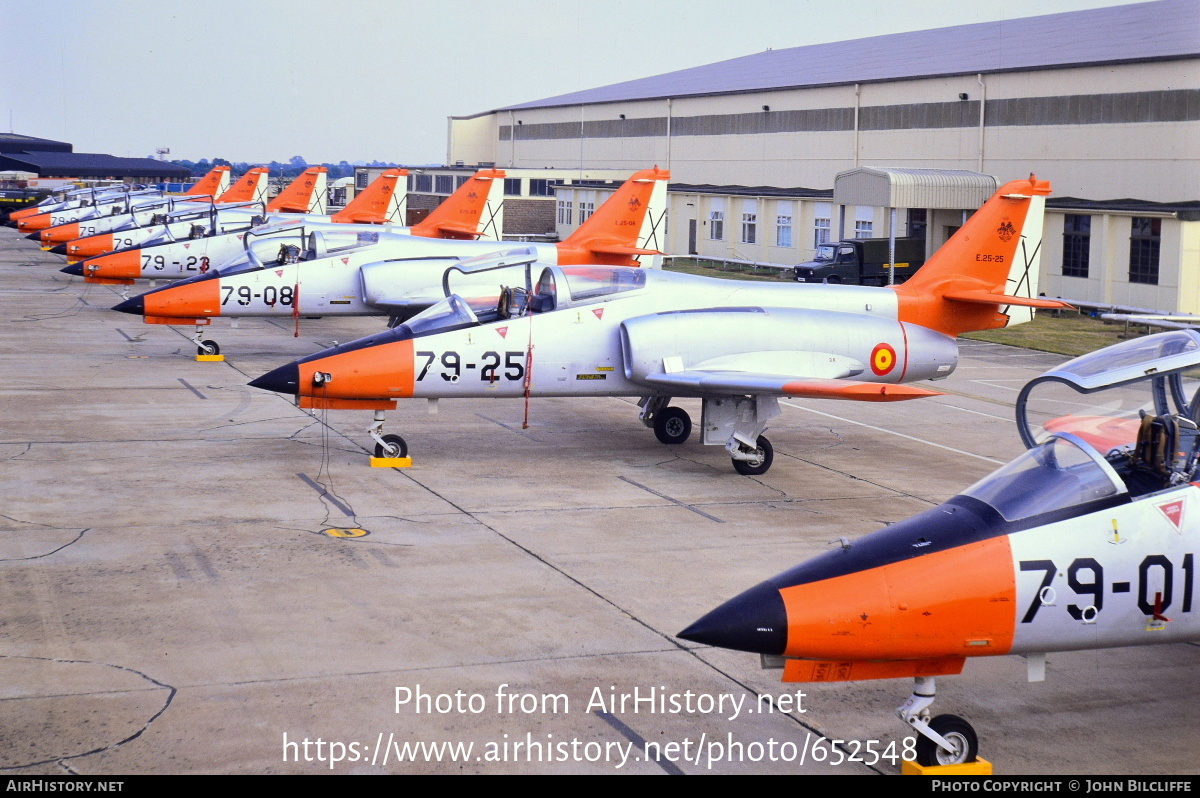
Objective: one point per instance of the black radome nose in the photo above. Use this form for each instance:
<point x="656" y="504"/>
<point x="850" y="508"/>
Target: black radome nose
<point x="285" y="379"/>
<point x="135" y="305"/>
<point x="754" y="621"/>
<point x="73" y="268"/>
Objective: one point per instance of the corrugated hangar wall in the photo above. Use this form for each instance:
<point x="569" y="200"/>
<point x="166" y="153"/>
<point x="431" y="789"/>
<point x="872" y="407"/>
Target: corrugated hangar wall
<point x="1104" y="103"/>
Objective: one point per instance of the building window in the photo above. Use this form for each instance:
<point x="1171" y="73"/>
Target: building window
<point x="444" y="184"/>
<point x="1144" y="241"/>
<point x="512" y="186"/>
<point x="1077" y="237"/>
<point x="716" y="225"/>
<point x="783" y="231"/>
<point x="918" y="222"/>
<point x="410" y="182"/>
<point x="461" y="180"/>
<point x="564" y="211"/>
<point x="586" y="209"/>
<point x="361" y="179"/>
<point x="424" y="184"/>
<point x="749" y="228"/>
<point x="821" y="228"/>
<point x="543" y="188"/>
<point x="862" y="229"/>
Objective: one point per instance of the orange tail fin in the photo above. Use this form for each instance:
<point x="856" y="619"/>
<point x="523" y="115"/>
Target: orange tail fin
<point x="250" y="187"/>
<point x="626" y="226"/>
<point x="306" y="194"/>
<point x="987" y="270"/>
<point x="473" y="211"/>
<point x="383" y="202"/>
<point x="211" y="185"/>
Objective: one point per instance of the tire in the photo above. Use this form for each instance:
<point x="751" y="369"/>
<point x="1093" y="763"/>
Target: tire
<point x="208" y="348"/>
<point x="393" y="441"/>
<point x="747" y="469"/>
<point x="672" y="425"/>
<point x="959" y="734"/>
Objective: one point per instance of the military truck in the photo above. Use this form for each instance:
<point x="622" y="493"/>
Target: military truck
<point x="861" y="261"/>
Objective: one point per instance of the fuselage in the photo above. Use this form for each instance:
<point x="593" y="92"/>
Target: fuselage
<point x="579" y="349"/>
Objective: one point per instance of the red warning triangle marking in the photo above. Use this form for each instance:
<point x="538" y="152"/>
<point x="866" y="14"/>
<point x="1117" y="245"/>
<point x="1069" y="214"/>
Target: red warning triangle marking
<point x="1173" y="512"/>
<point x="187" y="246"/>
<point x="279" y="272"/>
<point x="345" y="261"/>
<point x="503" y="331"/>
<point x="599" y="312"/>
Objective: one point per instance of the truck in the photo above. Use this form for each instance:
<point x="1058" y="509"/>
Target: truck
<point x="861" y="261"/>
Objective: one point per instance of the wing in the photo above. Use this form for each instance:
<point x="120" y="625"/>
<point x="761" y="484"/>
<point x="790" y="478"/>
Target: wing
<point x="815" y="375"/>
<point x="770" y="352"/>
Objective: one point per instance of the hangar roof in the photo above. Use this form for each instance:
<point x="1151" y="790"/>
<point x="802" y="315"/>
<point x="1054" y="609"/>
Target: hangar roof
<point x="1166" y="29"/>
<point x="89" y="164"/>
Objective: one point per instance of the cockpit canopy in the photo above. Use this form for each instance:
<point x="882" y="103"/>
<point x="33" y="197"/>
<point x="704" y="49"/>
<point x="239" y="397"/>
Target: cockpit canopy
<point x="1062" y="472"/>
<point x="1102" y="396"/>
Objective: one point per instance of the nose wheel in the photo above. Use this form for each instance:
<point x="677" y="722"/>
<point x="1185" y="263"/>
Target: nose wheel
<point x="944" y="740"/>
<point x="386" y="445"/>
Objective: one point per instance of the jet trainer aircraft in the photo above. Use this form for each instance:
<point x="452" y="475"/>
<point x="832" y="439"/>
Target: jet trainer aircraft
<point x="140" y="212"/>
<point x="1065" y="548"/>
<point x="249" y="194"/>
<point x="738" y="346"/>
<point x="390" y="273"/>
<point x="216" y="181"/>
<point x="165" y="257"/>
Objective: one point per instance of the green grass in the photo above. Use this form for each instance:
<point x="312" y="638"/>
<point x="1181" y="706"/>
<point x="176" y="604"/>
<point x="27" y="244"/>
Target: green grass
<point x="1070" y="334"/>
<point x="732" y="272"/>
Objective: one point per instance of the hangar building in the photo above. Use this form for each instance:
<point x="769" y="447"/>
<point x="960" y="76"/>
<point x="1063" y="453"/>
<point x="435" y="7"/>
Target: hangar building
<point x="1104" y="103"/>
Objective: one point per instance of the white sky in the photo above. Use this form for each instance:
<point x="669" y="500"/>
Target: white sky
<point x="255" y="80"/>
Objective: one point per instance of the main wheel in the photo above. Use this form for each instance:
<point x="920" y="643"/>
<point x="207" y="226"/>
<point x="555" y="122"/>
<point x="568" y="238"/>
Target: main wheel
<point x="396" y="447"/>
<point x="672" y="425"/>
<point x="958" y="733"/>
<point x="765" y="455"/>
<point x="208" y="348"/>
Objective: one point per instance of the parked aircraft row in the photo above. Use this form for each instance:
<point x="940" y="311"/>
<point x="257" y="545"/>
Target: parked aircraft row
<point x="470" y="316"/>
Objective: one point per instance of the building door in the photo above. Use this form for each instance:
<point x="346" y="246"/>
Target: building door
<point x="692" y="237"/>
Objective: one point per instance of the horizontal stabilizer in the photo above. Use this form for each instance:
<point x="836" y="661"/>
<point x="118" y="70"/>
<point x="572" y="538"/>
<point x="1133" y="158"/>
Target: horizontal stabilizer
<point x="981" y="297"/>
<point x="451" y="230"/>
<point x="617" y="249"/>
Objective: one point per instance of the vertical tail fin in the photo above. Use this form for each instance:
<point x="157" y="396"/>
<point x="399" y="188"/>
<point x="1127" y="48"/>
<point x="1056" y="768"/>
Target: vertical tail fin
<point x="250" y="187"/>
<point x="211" y="185"/>
<point x="382" y="202"/>
<point x="985" y="276"/>
<point x="628" y="226"/>
<point x="474" y="211"/>
<point x="306" y="194"/>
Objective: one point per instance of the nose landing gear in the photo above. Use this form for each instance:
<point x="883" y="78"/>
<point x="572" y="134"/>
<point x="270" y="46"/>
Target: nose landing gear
<point x="944" y="740"/>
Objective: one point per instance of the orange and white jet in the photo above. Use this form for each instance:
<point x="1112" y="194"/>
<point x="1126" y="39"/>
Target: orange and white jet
<point x="738" y="346"/>
<point x="167" y="256"/>
<point x="246" y="196"/>
<point x="1065" y="548"/>
<point x="105" y="204"/>
<point x="394" y="274"/>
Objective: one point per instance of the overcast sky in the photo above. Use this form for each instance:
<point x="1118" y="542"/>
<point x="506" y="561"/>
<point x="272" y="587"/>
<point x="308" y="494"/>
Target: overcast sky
<point x="255" y="80"/>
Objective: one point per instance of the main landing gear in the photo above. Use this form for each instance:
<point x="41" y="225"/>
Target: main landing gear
<point x="735" y="422"/>
<point x="944" y="740"/>
<point x="386" y="445"/>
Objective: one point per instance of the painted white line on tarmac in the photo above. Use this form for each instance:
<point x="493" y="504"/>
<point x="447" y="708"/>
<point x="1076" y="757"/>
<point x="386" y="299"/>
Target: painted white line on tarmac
<point x="893" y="432"/>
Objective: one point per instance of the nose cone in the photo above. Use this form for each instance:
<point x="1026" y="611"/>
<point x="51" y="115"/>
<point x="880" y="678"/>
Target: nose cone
<point x="135" y="305"/>
<point x="75" y="269"/>
<point x="59" y="249"/>
<point x="285" y="379"/>
<point x="754" y="621"/>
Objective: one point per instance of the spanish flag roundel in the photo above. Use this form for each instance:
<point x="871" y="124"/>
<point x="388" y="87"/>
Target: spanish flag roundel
<point x="883" y="359"/>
